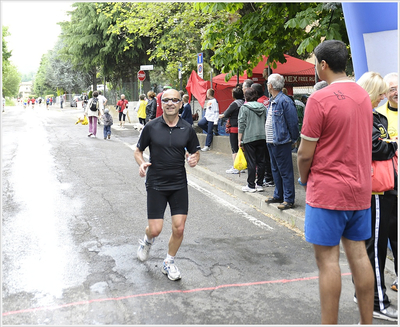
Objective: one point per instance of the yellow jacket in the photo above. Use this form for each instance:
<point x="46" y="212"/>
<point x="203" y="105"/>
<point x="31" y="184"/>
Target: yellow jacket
<point x="141" y="113"/>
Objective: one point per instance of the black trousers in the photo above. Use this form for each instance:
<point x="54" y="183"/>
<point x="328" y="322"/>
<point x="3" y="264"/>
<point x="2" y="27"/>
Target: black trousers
<point x="255" y="157"/>
<point x="383" y="225"/>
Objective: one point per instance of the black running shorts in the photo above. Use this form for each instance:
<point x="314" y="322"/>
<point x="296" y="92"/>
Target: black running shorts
<point x="178" y="201"/>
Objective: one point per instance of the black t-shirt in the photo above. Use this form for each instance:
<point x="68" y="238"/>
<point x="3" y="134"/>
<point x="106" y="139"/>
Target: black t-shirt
<point x="167" y="152"/>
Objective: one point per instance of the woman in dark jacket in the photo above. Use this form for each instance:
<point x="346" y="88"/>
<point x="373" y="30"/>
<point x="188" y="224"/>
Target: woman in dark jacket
<point x="151" y="107"/>
<point x="384" y="204"/>
<point x="232" y="113"/>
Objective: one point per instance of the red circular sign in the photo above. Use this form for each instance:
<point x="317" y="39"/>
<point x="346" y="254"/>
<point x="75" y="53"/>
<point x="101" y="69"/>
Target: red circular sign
<point x="141" y="75"/>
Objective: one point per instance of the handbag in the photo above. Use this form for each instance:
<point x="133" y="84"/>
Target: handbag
<point x="240" y="162"/>
<point x="382" y="173"/>
<point x="125" y="111"/>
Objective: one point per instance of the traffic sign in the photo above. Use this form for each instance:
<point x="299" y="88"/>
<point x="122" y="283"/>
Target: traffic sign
<point x="146" y="67"/>
<point x="141" y="75"/>
<point x="200" y="70"/>
<point x="200" y="58"/>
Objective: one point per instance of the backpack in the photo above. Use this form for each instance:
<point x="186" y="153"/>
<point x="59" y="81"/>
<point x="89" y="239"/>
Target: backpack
<point x="95" y="104"/>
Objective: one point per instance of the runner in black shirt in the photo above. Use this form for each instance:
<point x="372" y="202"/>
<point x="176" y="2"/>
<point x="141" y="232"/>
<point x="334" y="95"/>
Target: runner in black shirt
<point x="168" y="137"/>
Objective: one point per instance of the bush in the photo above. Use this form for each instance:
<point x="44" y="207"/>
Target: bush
<point x="10" y="102"/>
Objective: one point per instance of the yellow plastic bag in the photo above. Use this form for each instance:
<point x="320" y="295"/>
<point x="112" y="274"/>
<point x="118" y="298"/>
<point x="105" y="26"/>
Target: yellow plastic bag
<point x="240" y="162"/>
<point x="83" y="120"/>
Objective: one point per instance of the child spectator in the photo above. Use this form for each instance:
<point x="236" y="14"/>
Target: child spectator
<point x="108" y="121"/>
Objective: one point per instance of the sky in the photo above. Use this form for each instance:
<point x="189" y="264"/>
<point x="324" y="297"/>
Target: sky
<point x="33" y="28"/>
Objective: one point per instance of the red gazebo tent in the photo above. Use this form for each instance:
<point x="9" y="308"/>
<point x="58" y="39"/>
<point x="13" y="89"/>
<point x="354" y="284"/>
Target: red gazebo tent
<point x="297" y="72"/>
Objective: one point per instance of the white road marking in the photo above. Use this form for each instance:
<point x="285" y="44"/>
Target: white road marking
<point x="233" y="208"/>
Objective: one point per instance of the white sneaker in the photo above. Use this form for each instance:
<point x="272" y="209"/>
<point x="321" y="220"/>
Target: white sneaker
<point x="172" y="271"/>
<point x="389" y="314"/>
<point x="248" y="189"/>
<point x="143" y="250"/>
<point x="232" y="171"/>
<point x="206" y="148"/>
<point x="259" y="188"/>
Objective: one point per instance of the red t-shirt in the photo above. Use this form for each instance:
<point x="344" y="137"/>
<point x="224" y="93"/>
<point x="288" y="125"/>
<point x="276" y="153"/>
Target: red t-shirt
<point x="339" y="118"/>
<point x="159" y="111"/>
<point x="122" y="103"/>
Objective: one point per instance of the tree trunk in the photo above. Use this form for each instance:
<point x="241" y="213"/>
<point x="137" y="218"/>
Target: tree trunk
<point x="94" y="79"/>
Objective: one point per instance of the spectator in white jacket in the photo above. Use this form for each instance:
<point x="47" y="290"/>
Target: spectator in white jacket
<point x="210" y="118"/>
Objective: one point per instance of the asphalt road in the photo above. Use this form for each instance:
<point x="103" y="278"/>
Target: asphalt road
<point x="73" y="210"/>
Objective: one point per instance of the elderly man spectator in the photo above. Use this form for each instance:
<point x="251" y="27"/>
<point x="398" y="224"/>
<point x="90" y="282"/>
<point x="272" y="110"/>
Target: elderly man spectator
<point x="282" y="131"/>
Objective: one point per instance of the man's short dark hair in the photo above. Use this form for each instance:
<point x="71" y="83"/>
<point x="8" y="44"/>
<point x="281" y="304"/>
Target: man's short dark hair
<point x="237" y="93"/>
<point x="95" y="94"/>
<point x="334" y="53"/>
<point x="258" y="88"/>
<point x="250" y="95"/>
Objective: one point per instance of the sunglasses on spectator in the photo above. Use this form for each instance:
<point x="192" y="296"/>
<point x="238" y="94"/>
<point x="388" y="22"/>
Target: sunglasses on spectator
<point x="174" y="100"/>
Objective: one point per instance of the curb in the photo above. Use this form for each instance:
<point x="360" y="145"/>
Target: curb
<point x="293" y="218"/>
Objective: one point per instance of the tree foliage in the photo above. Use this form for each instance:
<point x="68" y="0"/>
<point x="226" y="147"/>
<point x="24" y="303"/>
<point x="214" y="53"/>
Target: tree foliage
<point x="10" y="75"/>
<point x="91" y="48"/>
<point x="246" y="31"/>
<point x="170" y="33"/>
<point x="111" y="40"/>
<point x="57" y="72"/>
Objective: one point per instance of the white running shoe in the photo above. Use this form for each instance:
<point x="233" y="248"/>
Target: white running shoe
<point x="143" y="250"/>
<point x="171" y="270"/>
<point x="248" y="189"/>
<point x="206" y="148"/>
<point x="389" y="314"/>
<point x="232" y="171"/>
<point x="259" y="188"/>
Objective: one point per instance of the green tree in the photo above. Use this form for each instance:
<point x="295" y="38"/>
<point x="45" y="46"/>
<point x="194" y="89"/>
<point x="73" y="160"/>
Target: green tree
<point x="10" y="75"/>
<point x="91" y="48"/>
<point x="169" y="32"/>
<point x="246" y="31"/>
<point x="11" y="81"/>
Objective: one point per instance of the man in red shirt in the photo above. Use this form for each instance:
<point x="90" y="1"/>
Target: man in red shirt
<point x="159" y="111"/>
<point x="334" y="161"/>
<point x="121" y="106"/>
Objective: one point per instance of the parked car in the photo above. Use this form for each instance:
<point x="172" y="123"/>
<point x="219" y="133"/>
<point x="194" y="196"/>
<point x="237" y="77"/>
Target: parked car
<point x="75" y="100"/>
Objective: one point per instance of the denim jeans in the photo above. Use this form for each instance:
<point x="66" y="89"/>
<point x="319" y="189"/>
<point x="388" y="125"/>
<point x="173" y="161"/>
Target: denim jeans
<point x="282" y="171"/>
<point x="208" y="127"/>
<point x="107" y="130"/>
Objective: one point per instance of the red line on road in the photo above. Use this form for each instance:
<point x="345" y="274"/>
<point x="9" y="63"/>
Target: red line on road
<point x="213" y="288"/>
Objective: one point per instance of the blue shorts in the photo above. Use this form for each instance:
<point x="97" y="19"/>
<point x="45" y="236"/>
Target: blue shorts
<point x="326" y="227"/>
